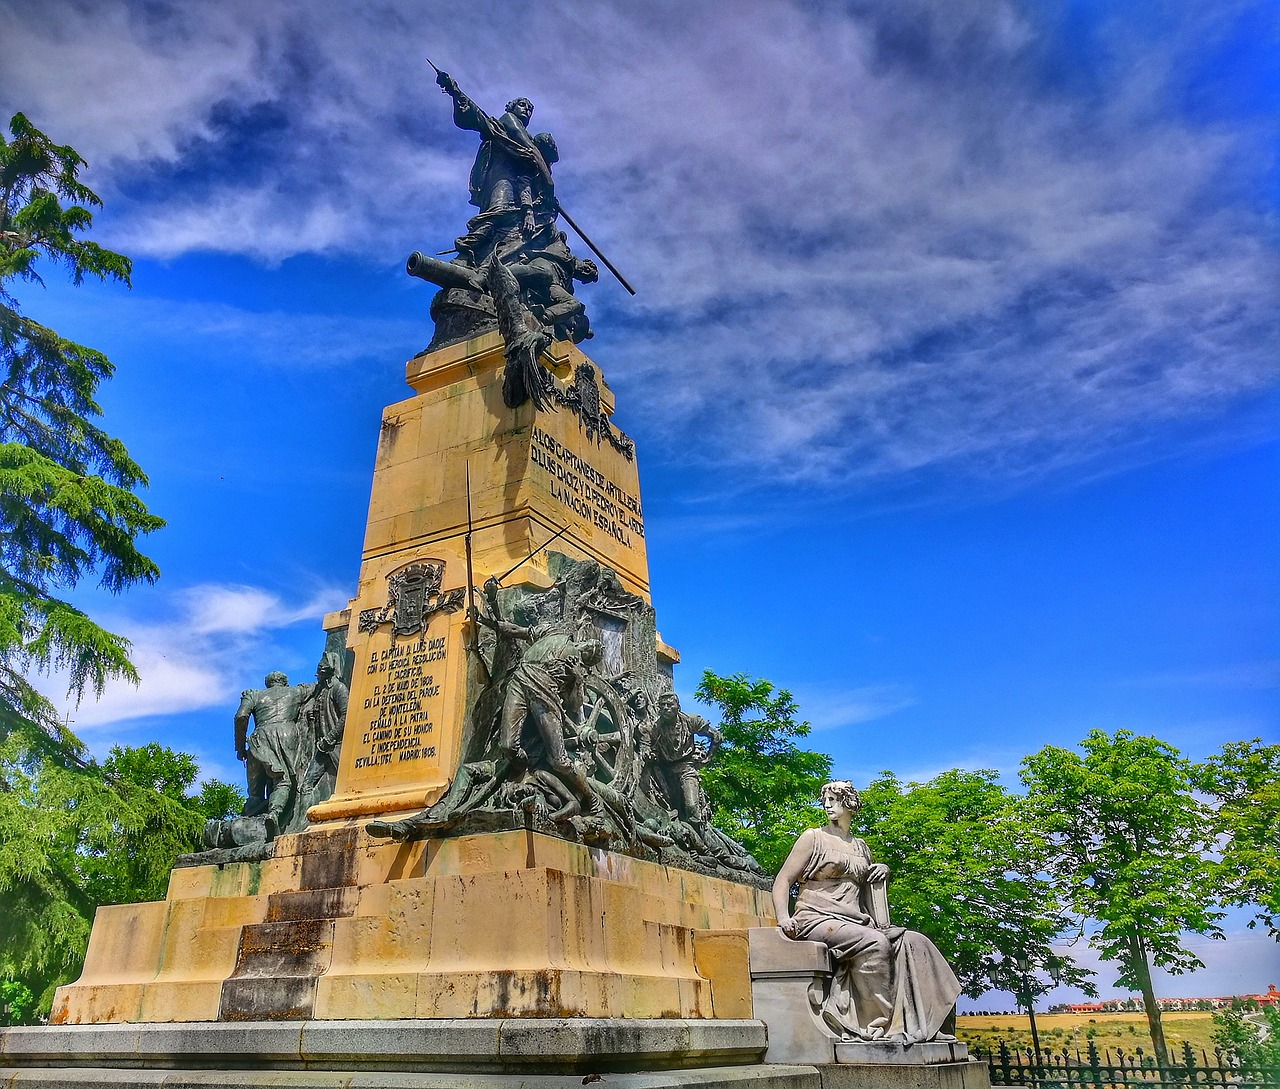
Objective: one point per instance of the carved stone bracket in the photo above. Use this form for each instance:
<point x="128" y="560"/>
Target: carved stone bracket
<point x="582" y="397"/>
<point x="413" y="598"/>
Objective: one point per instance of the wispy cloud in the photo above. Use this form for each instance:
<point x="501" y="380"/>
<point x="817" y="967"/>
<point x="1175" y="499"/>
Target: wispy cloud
<point x="233" y="336"/>
<point x="1265" y="674"/>
<point x="193" y="657"/>
<point x="872" y="239"/>
<point x="832" y="709"/>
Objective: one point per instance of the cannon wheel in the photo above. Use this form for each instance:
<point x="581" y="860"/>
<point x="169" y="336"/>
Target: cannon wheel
<point x="614" y="764"/>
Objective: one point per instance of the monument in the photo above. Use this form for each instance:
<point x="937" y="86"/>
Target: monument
<point x="478" y="843"/>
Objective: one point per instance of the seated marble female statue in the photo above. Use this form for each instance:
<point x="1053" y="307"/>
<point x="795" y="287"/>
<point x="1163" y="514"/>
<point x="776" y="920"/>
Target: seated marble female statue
<point x="890" y="983"/>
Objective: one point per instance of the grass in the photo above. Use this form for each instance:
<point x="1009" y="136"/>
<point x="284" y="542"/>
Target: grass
<point x="1074" y="1030"/>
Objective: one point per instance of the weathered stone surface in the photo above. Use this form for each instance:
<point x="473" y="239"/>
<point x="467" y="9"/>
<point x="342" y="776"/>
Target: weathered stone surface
<point x="783" y="975"/>
<point x="796" y="1035"/>
<point x="723" y="958"/>
<point x="528" y="1045"/>
<point x="772" y="952"/>
<point x="959" y="1075"/>
<point x="878" y="1052"/>
<point x="48" y="1045"/>
<point x="756" y="1077"/>
<point x="569" y="930"/>
<point x="269" y="1044"/>
<point x="444" y="1044"/>
<point x="626" y="1044"/>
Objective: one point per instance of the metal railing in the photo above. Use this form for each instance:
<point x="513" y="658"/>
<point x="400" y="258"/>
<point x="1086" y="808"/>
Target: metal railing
<point x="1122" y="1070"/>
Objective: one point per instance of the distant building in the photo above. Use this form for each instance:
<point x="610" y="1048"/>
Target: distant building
<point x="1134" y="1003"/>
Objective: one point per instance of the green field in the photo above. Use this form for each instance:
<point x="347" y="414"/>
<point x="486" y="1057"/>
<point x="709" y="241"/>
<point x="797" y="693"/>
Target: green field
<point x="1074" y="1030"/>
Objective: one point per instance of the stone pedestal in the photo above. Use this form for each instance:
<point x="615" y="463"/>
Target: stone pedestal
<point x="783" y="972"/>
<point x="338" y="926"/>
<point x="532" y="475"/>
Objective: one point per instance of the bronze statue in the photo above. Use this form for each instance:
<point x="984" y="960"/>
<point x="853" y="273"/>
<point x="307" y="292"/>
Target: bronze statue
<point x="291" y="757"/>
<point x="678" y="756"/>
<point x="509" y="170"/>
<point x="325" y="713"/>
<point x="513" y="268"/>
<point x="277" y="750"/>
<point x="546" y="689"/>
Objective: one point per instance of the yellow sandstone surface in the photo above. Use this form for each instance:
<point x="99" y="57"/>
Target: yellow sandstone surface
<point x="532" y="474"/>
<point x="339" y="925"/>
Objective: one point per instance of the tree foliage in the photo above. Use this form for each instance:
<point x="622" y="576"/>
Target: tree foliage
<point x="68" y="506"/>
<point x="73" y="833"/>
<point x="1238" y="1031"/>
<point x="1243" y="780"/>
<point x="763" y="787"/>
<point x="1128" y="844"/>
<point x="963" y="871"/>
<point x="72" y="838"/>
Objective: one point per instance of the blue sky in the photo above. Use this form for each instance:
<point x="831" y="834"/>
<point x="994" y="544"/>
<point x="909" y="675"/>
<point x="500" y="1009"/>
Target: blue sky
<point x="952" y="367"/>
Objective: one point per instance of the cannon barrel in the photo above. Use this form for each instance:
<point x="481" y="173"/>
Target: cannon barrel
<point x="443" y="273"/>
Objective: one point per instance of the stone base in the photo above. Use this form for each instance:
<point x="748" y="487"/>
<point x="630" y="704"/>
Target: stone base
<point x="732" y="1077"/>
<point x="876" y="1053"/>
<point x="437" y="1054"/>
<point x="336" y="925"/>
<point x="480" y="1054"/>
<point x="937" y="1075"/>
<point x="784" y="973"/>
<point x="481" y="1046"/>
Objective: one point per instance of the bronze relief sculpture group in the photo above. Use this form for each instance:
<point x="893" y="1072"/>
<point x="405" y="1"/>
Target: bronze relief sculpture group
<point x="576" y="730"/>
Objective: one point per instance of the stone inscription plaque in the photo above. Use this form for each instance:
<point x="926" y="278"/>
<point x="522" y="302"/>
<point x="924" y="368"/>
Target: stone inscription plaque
<point x="404" y="704"/>
<point x="590" y="494"/>
<point x="404" y="717"/>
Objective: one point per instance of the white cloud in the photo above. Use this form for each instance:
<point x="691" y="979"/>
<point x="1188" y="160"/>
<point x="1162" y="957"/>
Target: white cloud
<point x="194" y="658"/>
<point x="870" y="239"/>
<point x="828" y="709"/>
<point x="1263" y="674"/>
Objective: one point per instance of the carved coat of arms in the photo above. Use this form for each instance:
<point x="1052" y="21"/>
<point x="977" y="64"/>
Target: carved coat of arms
<point x="413" y="598"/>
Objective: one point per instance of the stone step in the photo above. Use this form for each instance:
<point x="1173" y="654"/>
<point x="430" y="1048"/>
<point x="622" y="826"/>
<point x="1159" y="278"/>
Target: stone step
<point x="566" y="1045"/>
<point x="514" y="1053"/>
<point x="277" y="967"/>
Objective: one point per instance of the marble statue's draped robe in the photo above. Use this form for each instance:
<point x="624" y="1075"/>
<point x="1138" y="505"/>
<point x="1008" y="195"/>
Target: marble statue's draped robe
<point x="895" y="976"/>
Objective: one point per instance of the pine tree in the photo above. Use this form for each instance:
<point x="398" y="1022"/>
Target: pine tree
<point x="68" y="507"/>
<point x="73" y="832"/>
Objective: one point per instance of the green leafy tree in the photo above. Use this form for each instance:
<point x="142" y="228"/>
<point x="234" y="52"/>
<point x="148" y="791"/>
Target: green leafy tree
<point x="68" y="507"/>
<point x="73" y="833"/>
<point x="1239" y="1033"/>
<point x="763" y="787"/>
<point x="963" y="871"/>
<point x="1128" y="841"/>
<point x="16" y="1002"/>
<point x="1244" y="782"/>
<point x="72" y="838"/>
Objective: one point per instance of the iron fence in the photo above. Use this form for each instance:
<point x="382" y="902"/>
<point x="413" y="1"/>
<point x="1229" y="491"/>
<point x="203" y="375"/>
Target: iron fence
<point x="1122" y="1070"/>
